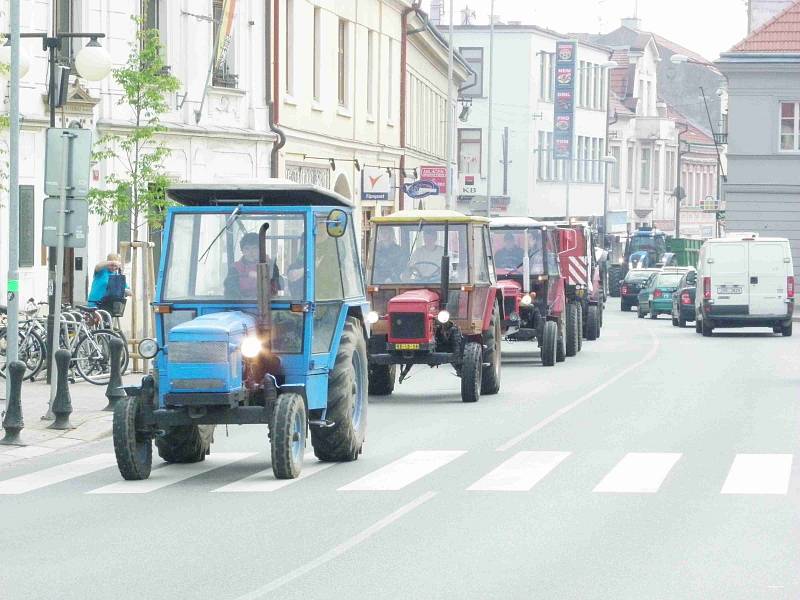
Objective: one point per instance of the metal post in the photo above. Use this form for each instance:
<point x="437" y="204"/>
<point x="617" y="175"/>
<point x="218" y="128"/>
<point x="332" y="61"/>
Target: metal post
<point x="569" y="180"/>
<point x="51" y="44"/>
<point x="489" y="98"/>
<point x="450" y="122"/>
<point x="678" y="194"/>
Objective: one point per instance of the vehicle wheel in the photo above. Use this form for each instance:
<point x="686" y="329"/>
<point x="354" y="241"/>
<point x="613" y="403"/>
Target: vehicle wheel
<point x="572" y="330"/>
<point x="777" y="328"/>
<point x="561" y="345"/>
<point x="681" y="321"/>
<point x="549" y="343"/>
<point x="492" y="339"/>
<point x="471" y="372"/>
<point x="697" y="327"/>
<point x="592" y="323"/>
<point x="579" y="326"/>
<point x="786" y="330"/>
<point x="624" y="306"/>
<point x="185" y="443"/>
<point x="614" y="276"/>
<point x="600" y="310"/>
<point x="381" y="379"/>
<point x="288" y="433"/>
<point x="133" y="447"/>
<point x="347" y="399"/>
<point x="653" y="314"/>
<point x="706" y="328"/>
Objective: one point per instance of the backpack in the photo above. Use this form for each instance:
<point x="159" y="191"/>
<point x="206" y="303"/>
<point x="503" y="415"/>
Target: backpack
<point x="115" y="290"/>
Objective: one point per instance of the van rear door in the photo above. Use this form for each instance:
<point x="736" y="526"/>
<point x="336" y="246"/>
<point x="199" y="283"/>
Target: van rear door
<point x="767" y="278"/>
<point x="729" y="281"/>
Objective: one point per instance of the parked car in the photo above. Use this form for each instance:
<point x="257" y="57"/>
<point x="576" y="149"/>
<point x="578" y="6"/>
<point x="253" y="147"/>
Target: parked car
<point x="683" y="300"/>
<point x="747" y="281"/>
<point x="655" y="298"/>
<point x="630" y="287"/>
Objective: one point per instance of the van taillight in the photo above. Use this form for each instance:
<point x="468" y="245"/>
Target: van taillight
<point x="790" y="287"/>
<point x="624" y="290"/>
<point x="686" y="298"/>
<point x="706" y="288"/>
<point x="657" y="294"/>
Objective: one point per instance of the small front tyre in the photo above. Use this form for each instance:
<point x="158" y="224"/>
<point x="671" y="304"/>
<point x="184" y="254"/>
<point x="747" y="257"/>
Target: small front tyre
<point x="288" y="433"/>
<point x="133" y="446"/>
<point x="549" y="343"/>
<point x="471" y="372"/>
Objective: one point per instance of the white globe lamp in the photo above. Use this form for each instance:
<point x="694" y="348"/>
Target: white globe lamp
<point x="93" y="62"/>
<point x="5" y="59"/>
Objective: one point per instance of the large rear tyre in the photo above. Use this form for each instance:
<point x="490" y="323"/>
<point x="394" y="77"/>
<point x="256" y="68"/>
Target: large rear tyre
<point x="561" y="346"/>
<point x="549" y="343"/>
<point x="572" y="330"/>
<point x="288" y="436"/>
<point x="592" y="323"/>
<point x="579" y="326"/>
<point x="492" y="339"/>
<point x="381" y="379"/>
<point x="347" y="399"/>
<point x="614" y="276"/>
<point x="133" y="447"/>
<point x="471" y="372"/>
<point x="185" y="443"/>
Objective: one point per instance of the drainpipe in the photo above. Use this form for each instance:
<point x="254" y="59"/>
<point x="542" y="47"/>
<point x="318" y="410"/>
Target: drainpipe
<point x="272" y="80"/>
<point x="415" y="8"/>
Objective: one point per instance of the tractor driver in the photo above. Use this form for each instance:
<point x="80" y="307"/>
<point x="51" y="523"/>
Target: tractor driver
<point x="535" y="254"/>
<point x="426" y="260"/>
<point x="242" y="279"/>
<point x="510" y="255"/>
<point x="389" y="257"/>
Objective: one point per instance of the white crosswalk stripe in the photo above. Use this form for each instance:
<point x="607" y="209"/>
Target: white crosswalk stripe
<point x="264" y="481"/>
<point x="404" y="471"/>
<point x="173" y="473"/>
<point x="57" y="474"/>
<point x="759" y="474"/>
<point x="520" y="472"/>
<point x="638" y="473"/>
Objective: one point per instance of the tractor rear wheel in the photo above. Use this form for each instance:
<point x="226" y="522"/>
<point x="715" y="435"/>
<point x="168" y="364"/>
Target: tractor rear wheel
<point x="347" y="399"/>
<point x="185" y="443"/>
<point x="549" y="343"/>
<point x="572" y="330"/>
<point x="132" y="447"/>
<point x="381" y="379"/>
<point x="471" y="372"/>
<point x="492" y="339"/>
<point x="561" y="345"/>
<point x="592" y="323"/>
<point x="288" y="433"/>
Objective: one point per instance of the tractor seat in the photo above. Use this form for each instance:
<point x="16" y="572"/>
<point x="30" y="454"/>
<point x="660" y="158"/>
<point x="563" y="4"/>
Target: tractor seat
<point x="87" y="309"/>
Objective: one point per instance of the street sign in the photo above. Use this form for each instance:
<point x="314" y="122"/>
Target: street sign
<point x="376" y="183"/>
<point x="421" y="189"/>
<point x="437" y="175"/>
<point x="76" y="223"/>
<point x="79" y="160"/>
<point x="564" y="105"/>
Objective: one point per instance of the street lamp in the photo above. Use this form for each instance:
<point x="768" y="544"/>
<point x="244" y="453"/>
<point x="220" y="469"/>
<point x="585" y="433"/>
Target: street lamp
<point x="608" y="160"/>
<point x="5" y="59"/>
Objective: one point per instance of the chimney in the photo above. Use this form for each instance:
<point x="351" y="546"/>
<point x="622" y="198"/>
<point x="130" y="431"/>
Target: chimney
<point x="761" y="11"/>
<point x="437" y="12"/>
<point x="634" y="23"/>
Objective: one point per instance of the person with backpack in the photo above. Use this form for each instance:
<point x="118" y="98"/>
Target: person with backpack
<point x="108" y="283"/>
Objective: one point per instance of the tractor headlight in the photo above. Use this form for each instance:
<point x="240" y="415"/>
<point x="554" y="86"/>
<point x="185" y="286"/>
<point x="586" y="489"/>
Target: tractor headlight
<point x="251" y="347"/>
<point x="443" y="316"/>
<point x="372" y="317"/>
<point x="148" y="348"/>
<point x="526" y="300"/>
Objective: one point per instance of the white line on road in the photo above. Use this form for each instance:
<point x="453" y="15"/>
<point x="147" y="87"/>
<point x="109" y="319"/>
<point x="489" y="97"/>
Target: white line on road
<point x="520" y="472"/>
<point x="638" y="473"/>
<point x="264" y="481"/>
<point x="338" y="550"/>
<point x="57" y="474"/>
<point x="759" y="474"/>
<point x="404" y="471"/>
<point x="172" y="473"/>
<point x="565" y="409"/>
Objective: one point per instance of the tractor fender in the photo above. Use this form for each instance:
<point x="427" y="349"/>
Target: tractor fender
<point x="491" y="298"/>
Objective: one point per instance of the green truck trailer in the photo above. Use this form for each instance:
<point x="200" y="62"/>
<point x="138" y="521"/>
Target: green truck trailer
<point x="686" y="251"/>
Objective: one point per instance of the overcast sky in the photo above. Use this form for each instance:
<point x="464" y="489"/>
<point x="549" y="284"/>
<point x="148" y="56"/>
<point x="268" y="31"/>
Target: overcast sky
<point x="705" y="26"/>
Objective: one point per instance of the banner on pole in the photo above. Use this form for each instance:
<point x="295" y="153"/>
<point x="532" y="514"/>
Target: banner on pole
<point x="564" y="106"/>
<point x="225" y="31"/>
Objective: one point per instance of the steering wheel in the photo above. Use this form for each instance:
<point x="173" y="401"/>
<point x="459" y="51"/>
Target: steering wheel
<point x="414" y="270"/>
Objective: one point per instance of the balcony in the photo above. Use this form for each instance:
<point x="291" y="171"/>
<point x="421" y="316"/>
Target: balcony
<point x="654" y="128"/>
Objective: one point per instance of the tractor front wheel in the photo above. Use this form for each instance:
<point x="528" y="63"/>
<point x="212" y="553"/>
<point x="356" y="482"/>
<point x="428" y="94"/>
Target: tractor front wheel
<point x="133" y="447"/>
<point x="592" y="323"/>
<point x="549" y="343"/>
<point x="471" y="372"/>
<point x="288" y="429"/>
<point x="347" y="399"/>
<point x="492" y="339"/>
<point x="185" y="443"/>
<point x="572" y="330"/>
<point x="381" y="379"/>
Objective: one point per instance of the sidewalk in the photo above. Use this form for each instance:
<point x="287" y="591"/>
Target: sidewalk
<point x="91" y="422"/>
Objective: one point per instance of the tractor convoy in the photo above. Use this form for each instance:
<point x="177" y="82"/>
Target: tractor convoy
<point x="264" y="316"/>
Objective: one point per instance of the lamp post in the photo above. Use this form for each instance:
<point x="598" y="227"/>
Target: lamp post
<point x="607" y="160"/>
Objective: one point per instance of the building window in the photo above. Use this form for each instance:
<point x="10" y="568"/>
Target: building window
<point x="343" y="55"/>
<point x="617" y="154"/>
<point x="670" y="169"/>
<point x="289" y="37"/>
<point x="27" y="230"/>
<point x="150" y="16"/>
<point x="603" y="92"/>
<point x="657" y="170"/>
<point x="590" y="92"/>
<point x="224" y="66"/>
<point x="390" y="86"/>
<point x="469" y="151"/>
<point x="370" y="73"/>
<point x="546" y="67"/>
<point x="317" y="51"/>
<point x="644" y="176"/>
<point x="473" y="87"/>
<point x="790" y="126"/>
<point x="631" y="174"/>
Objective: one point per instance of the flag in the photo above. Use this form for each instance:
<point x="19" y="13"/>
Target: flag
<point x="225" y="30"/>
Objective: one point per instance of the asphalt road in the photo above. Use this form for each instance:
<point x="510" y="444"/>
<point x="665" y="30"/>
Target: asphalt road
<point x="656" y="464"/>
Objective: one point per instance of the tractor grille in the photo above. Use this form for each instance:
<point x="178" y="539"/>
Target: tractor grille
<point x="408" y="326"/>
<point x="198" y="384"/>
<point x="509" y="306"/>
<point x="198" y="352"/>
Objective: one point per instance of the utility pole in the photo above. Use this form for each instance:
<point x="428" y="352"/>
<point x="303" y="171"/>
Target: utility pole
<point x="489" y="98"/>
<point x="678" y="191"/>
<point x="449" y="194"/>
<point x="505" y="161"/>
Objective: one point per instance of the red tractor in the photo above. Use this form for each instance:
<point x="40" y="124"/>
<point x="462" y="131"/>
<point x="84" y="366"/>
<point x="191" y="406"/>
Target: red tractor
<point x="529" y="275"/>
<point x="434" y="300"/>
<point x="582" y="269"/>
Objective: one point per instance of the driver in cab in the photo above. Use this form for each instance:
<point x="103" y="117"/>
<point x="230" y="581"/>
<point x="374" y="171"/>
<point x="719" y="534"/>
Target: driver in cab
<point x="242" y="280"/>
<point x="510" y="255"/>
<point x="426" y="259"/>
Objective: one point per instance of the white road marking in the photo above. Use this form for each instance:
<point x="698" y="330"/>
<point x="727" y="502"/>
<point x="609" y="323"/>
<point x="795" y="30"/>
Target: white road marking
<point x="404" y="471"/>
<point x="759" y="474"/>
<point x="565" y="409"/>
<point x="520" y="472"/>
<point x="57" y="474"/>
<point x="338" y="550"/>
<point x="264" y="481"/>
<point x="173" y="473"/>
<point x="638" y="473"/>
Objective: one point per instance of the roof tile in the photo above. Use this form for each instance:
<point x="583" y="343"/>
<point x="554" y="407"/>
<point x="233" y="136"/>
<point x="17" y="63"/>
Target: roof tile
<point x="781" y="34"/>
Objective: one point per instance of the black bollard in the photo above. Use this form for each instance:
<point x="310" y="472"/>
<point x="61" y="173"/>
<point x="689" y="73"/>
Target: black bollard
<point x="115" y="391"/>
<point x="12" y="420"/>
<point x="62" y="403"/>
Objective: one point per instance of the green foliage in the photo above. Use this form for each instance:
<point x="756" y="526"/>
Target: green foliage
<point x="136" y="189"/>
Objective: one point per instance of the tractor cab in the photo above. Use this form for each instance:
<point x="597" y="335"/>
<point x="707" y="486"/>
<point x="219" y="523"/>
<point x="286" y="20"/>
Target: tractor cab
<point x="259" y="311"/>
<point x="433" y="298"/>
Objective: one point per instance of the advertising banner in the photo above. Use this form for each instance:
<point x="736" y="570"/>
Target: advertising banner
<point x="564" y="106"/>
<point x="437" y="175"/>
<point x="376" y="183"/>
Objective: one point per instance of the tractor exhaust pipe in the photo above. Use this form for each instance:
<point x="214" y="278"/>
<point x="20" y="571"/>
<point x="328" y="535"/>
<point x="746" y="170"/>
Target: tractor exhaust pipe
<point x="264" y="272"/>
<point x="444" y="292"/>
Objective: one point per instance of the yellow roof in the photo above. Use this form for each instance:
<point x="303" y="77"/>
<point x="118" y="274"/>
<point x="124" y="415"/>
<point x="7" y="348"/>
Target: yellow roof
<point x="429" y="216"/>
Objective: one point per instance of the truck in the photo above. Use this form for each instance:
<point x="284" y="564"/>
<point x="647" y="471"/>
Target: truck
<point x="260" y="319"/>
<point x="580" y="260"/>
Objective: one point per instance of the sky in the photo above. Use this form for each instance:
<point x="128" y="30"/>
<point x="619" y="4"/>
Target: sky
<point x="708" y="27"/>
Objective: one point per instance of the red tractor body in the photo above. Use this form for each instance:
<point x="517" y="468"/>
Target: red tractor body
<point x="412" y="318"/>
<point x="583" y="278"/>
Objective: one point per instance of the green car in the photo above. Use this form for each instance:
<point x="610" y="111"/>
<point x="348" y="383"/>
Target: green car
<point x="655" y="297"/>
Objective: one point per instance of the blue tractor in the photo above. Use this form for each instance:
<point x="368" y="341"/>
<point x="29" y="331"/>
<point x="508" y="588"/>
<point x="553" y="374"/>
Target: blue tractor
<point x="260" y="319"/>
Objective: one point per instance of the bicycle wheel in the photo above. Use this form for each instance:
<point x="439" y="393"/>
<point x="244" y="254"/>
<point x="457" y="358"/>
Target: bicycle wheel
<point x="93" y="359"/>
<point x="31" y="352"/>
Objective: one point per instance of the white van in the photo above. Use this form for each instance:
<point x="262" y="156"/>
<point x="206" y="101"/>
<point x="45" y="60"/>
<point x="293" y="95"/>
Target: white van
<point x="744" y="280"/>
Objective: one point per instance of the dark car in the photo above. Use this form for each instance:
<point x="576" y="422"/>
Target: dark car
<point x="630" y="287"/>
<point x="683" y="300"/>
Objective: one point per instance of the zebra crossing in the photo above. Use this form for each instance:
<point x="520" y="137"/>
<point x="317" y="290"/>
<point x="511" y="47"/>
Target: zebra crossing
<point x="634" y="473"/>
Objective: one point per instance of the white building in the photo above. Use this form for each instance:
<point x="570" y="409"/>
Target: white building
<point x="526" y="180"/>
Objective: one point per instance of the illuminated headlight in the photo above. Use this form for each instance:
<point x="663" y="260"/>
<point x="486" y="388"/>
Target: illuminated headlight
<point x="622" y="261"/>
<point x="526" y="300"/>
<point x="251" y="347"/>
<point x="148" y="348"/>
<point x="443" y="316"/>
<point x="372" y="317"/>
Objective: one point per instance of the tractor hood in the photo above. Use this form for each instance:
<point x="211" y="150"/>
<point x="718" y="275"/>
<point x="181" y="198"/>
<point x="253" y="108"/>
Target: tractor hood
<point x="509" y="286"/>
<point x="415" y="297"/>
<point x="219" y="327"/>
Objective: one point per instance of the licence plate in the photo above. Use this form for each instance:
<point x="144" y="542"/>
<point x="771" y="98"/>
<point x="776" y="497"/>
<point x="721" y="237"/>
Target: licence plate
<point x="406" y="346"/>
<point x="729" y="289"/>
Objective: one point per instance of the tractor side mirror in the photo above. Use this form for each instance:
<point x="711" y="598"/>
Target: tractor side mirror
<point x="336" y="223"/>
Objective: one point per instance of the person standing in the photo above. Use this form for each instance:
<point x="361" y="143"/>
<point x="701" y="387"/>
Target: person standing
<point x="102" y="275"/>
